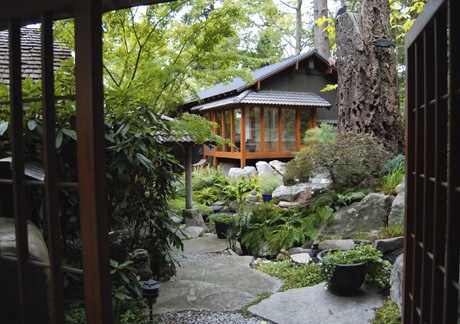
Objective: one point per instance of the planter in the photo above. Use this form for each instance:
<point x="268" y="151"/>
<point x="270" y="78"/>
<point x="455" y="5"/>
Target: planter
<point x="347" y="278"/>
<point x="221" y="229"/>
<point x="266" y="197"/>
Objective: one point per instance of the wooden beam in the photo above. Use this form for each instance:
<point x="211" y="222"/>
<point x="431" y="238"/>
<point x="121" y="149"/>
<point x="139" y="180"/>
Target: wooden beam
<point x="30" y="11"/>
<point x="91" y="161"/>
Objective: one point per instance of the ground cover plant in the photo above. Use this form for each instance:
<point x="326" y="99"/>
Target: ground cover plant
<point x="294" y="275"/>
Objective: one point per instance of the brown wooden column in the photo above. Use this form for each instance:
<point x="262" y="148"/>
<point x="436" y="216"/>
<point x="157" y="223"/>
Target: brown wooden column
<point x="51" y="191"/>
<point x="19" y="189"/>
<point x="91" y="161"/>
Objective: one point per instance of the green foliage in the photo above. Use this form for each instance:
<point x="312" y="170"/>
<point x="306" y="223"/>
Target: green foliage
<point x="197" y="128"/>
<point x="393" y="164"/>
<point x="294" y="275"/>
<point x="224" y="218"/>
<point x="238" y="190"/>
<point x="323" y="133"/>
<point x="392" y="179"/>
<point x="349" y="159"/>
<point x="75" y="313"/>
<point x="377" y="270"/>
<point x="207" y="196"/>
<point x="389" y="313"/>
<point x="126" y="292"/>
<point x="208" y="176"/>
<point x="268" y="185"/>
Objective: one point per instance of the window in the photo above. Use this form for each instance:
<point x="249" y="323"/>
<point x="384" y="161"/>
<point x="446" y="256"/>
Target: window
<point x="271" y="136"/>
<point x="288" y="127"/>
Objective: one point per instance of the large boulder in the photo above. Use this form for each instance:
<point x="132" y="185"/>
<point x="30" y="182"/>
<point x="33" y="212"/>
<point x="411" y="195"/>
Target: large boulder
<point x="365" y="216"/>
<point x="278" y="166"/>
<point x="396" y="280"/>
<point x="39" y="278"/>
<point x="265" y="170"/>
<point x="397" y="208"/>
<point x="235" y="173"/>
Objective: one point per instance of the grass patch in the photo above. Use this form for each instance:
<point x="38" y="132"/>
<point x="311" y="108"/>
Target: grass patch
<point x="294" y="275"/>
<point x="262" y="296"/>
<point x="389" y="313"/>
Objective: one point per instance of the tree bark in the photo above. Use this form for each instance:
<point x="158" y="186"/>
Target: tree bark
<point x="368" y="98"/>
<point x="298" y="27"/>
<point x="320" y="35"/>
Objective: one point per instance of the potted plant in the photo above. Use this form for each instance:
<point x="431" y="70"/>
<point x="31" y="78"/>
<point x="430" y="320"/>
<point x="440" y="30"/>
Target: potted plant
<point x="346" y="270"/>
<point x="222" y="222"/>
<point x="267" y="186"/>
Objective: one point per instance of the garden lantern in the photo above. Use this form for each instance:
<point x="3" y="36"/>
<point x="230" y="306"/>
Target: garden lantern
<point x="150" y="291"/>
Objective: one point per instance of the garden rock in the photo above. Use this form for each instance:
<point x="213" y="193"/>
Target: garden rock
<point x="390" y="244"/>
<point x="365" y="216"/>
<point x="193" y="218"/>
<point x="320" y="181"/>
<point x="39" y="277"/>
<point x="265" y="170"/>
<point x="297" y="250"/>
<point x="397" y="207"/>
<point x="290" y="193"/>
<point x="278" y="166"/>
<point x="249" y="171"/>
<point x="336" y="245"/>
<point x="303" y="258"/>
<point x="396" y="280"/>
<point x="235" y="173"/>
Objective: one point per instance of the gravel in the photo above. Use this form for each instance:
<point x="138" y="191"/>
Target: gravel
<point x="204" y="317"/>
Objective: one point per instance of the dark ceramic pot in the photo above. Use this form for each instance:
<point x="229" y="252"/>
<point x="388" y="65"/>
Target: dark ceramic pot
<point x="347" y="278"/>
<point x="221" y="229"/>
<point x="266" y="197"/>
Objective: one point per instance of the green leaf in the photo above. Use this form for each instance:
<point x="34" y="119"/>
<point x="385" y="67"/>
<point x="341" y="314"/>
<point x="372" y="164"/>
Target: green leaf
<point x="146" y="162"/>
<point x="70" y="132"/>
<point x="59" y="138"/>
<point x="3" y="127"/>
<point x="31" y="124"/>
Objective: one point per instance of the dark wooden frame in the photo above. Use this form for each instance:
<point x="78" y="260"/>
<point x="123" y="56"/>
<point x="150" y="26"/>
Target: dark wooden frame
<point x="90" y="153"/>
<point x="432" y="222"/>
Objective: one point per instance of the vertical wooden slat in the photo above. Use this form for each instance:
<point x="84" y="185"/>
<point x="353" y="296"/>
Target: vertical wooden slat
<point x="440" y="197"/>
<point x="51" y="192"/>
<point x="19" y="189"/>
<point x="91" y="161"/>
<point x="410" y="175"/>
<point x="428" y="171"/>
<point x="453" y="182"/>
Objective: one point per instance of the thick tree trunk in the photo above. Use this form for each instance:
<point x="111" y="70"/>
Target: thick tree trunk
<point x="368" y="99"/>
<point x="321" y="36"/>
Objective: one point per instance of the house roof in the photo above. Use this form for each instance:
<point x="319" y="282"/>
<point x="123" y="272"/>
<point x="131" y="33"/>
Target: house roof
<point x="238" y="84"/>
<point x="31" y="54"/>
<point x="279" y="98"/>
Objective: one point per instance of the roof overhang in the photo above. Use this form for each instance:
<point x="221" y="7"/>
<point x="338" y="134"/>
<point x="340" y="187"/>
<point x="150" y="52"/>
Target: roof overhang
<point x="30" y="11"/>
<point x="267" y="97"/>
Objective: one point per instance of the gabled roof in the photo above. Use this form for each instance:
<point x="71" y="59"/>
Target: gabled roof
<point x="31" y="54"/>
<point x="238" y="84"/>
<point x="279" y="98"/>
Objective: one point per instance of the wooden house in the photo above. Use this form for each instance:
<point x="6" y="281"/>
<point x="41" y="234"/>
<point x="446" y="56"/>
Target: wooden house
<point x="267" y="118"/>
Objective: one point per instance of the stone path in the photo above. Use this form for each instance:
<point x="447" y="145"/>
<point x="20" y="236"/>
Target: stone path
<point x="212" y="278"/>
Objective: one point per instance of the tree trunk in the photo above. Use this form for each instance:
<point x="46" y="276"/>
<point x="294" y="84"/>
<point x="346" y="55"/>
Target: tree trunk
<point x="298" y="27"/>
<point x="320" y="35"/>
<point x="368" y="98"/>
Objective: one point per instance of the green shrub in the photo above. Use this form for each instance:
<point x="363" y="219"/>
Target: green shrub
<point x="268" y="185"/>
<point x="208" y="176"/>
<point x="390" y="181"/>
<point x="349" y="159"/>
<point x="238" y="190"/>
<point x="294" y="275"/>
<point x="389" y="313"/>
<point x="393" y="163"/>
<point x="321" y="134"/>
